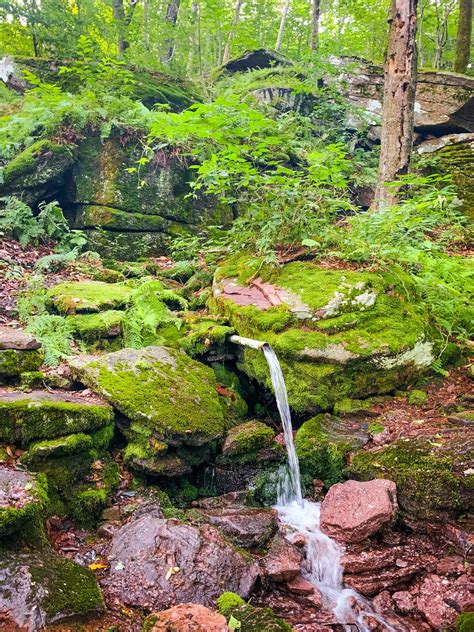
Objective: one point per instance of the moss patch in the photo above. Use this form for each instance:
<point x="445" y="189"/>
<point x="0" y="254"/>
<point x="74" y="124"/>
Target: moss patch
<point x="430" y="478"/>
<point x="251" y="619"/>
<point x="23" y="501"/>
<point x="88" y="296"/>
<point x="247" y="437"/>
<point x="14" y="361"/>
<point x="94" y="327"/>
<point x="167" y="394"/>
<point x="23" y="420"/>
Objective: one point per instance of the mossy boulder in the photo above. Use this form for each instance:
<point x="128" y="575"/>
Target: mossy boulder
<point x="48" y="589"/>
<point x="37" y="172"/>
<point x="23" y="500"/>
<point x="87" y="500"/>
<point x="338" y="333"/>
<point x="251" y="619"/>
<point x="94" y="327"/>
<point x="25" y="417"/>
<point x="16" y="361"/>
<point x="88" y="296"/>
<point x="434" y="477"/>
<point x="244" y="442"/>
<point x="322" y="445"/>
<point x="465" y="622"/>
<point x="171" y="404"/>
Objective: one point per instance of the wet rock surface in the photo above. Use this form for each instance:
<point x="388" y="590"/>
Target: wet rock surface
<point x="157" y="563"/>
<point x="353" y="511"/>
<point x="246" y="526"/>
<point x="283" y="560"/>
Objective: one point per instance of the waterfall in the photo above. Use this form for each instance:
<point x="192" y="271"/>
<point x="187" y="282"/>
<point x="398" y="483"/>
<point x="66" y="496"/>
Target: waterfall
<point x="322" y="566"/>
<point x="290" y="485"/>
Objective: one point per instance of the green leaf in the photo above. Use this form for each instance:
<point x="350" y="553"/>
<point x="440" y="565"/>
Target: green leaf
<point x="234" y="624"/>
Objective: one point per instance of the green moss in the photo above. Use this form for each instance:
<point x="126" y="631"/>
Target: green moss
<point x="376" y="428"/>
<point x="40" y="163"/>
<point x="27" y="518"/>
<point x="112" y="219"/>
<point x="88" y="296"/>
<point x="162" y="389"/>
<point x="251" y="619"/>
<point x="86" y="502"/>
<point x="248" y="437"/>
<point x="62" y="446"/>
<point x="319" y="456"/>
<point x="13" y="361"/>
<point x="417" y="397"/>
<point x="203" y="336"/>
<point x="27" y="419"/>
<point x="69" y="589"/>
<point x="429" y="476"/>
<point x="345" y="338"/>
<point x="228" y="601"/>
<point x="93" y="327"/>
<point x="465" y="622"/>
<point x="347" y="406"/>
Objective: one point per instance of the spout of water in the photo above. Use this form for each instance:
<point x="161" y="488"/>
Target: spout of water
<point x="248" y="342"/>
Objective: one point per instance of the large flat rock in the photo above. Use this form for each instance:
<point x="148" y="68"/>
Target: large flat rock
<point x="49" y="414"/>
<point x="11" y="338"/>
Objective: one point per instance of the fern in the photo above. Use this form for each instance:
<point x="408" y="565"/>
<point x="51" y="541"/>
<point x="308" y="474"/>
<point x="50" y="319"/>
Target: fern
<point x="32" y="301"/>
<point x="17" y="221"/>
<point x="148" y="311"/>
<point x="55" y="334"/>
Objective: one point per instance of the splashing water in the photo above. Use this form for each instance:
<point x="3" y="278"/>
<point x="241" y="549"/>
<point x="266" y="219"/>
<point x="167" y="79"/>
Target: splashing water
<point x="323" y="555"/>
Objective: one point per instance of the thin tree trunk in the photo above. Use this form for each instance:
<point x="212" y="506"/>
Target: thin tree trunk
<point x="398" y="101"/>
<point x="315" y="14"/>
<point x="172" y="11"/>
<point x="235" y="23"/>
<point x="281" y="30"/>
<point x="123" y="22"/>
<point x="464" y="34"/>
<point x="421" y="16"/>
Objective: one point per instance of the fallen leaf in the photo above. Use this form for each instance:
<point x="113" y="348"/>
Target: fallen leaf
<point x="96" y="567"/>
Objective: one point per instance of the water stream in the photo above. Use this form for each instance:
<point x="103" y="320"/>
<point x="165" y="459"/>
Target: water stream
<point x="323" y="555"/>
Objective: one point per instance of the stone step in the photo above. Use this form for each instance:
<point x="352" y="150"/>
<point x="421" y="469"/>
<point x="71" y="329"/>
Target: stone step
<point x="19" y="352"/>
<point x="25" y="417"/>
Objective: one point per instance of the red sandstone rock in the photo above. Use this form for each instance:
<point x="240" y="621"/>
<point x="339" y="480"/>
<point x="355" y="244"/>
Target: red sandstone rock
<point x="189" y="617"/>
<point x="404" y="602"/>
<point x="440" y="600"/>
<point x="352" y="511"/>
<point x="300" y="586"/>
<point x="283" y="561"/>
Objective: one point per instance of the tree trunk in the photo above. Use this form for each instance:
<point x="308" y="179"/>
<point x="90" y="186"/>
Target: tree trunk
<point x="172" y="11"/>
<point x="123" y="22"/>
<point x="463" y="41"/>
<point x="235" y="23"/>
<point x="281" y="30"/>
<point x="398" y="101"/>
<point x="315" y="13"/>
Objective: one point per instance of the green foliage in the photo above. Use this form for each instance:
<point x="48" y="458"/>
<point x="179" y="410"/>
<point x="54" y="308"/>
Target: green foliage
<point x="55" y="335"/>
<point x="148" y="310"/>
<point x="17" y="221"/>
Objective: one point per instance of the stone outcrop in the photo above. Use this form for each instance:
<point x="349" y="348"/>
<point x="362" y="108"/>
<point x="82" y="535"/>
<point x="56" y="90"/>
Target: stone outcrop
<point x="170" y="406"/>
<point x="353" y="511"/>
<point x="249" y="527"/>
<point x="157" y="563"/>
<point x="19" y="353"/>
<point x="22" y="500"/>
<point x="283" y="560"/>
<point x="338" y="333"/>
<point x="38" y="589"/>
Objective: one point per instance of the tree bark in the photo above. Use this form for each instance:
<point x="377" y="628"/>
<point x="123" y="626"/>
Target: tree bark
<point x="315" y="14"/>
<point x="281" y="30"/>
<point x="235" y="23"/>
<point x="398" y="101"/>
<point x="172" y="11"/>
<point x="123" y="22"/>
<point x="464" y="34"/>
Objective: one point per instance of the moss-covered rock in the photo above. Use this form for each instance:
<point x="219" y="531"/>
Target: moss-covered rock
<point x="23" y="500"/>
<point x="163" y="392"/>
<point x="434" y="480"/>
<point x="251" y="619"/>
<point x="47" y="589"/>
<point x="88" y="296"/>
<point x="338" y="333"/>
<point x="87" y="500"/>
<point x="465" y="622"/>
<point x="44" y="415"/>
<point x="37" y="171"/>
<point x="322" y="445"/>
<point x="16" y="361"/>
<point x="243" y="442"/>
<point x="416" y="397"/>
<point x="94" y="327"/>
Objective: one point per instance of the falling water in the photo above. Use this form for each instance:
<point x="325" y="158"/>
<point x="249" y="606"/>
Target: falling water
<point x="322" y="566"/>
<point x="289" y="488"/>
